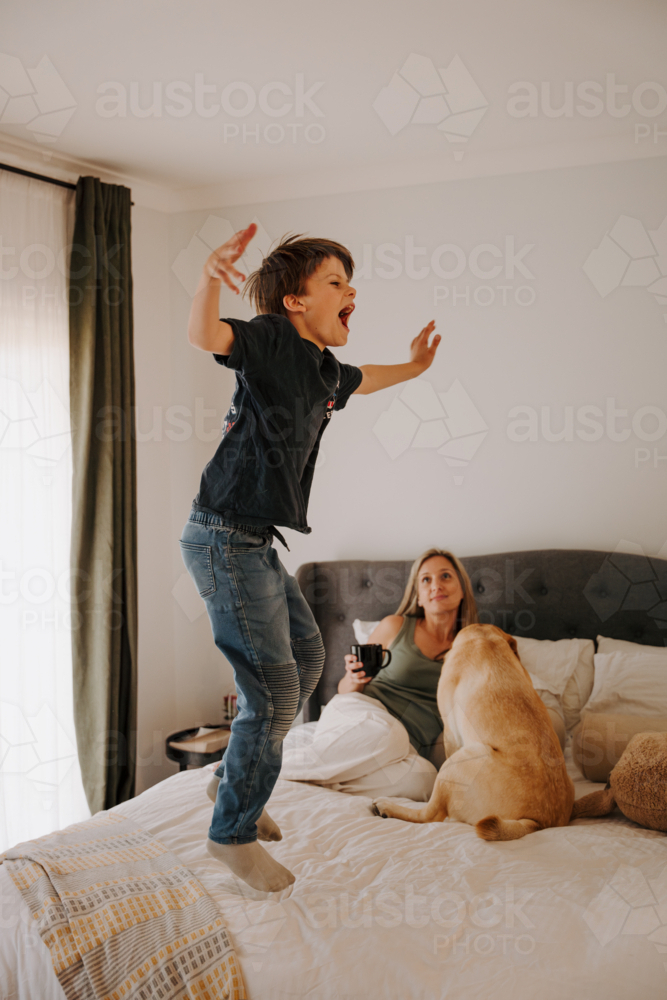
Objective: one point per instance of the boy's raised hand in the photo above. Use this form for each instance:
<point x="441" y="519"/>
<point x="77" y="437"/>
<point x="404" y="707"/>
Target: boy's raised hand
<point x="420" y="350"/>
<point x="220" y="264"/>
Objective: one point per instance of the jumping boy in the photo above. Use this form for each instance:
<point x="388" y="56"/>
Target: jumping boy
<point x="288" y="383"/>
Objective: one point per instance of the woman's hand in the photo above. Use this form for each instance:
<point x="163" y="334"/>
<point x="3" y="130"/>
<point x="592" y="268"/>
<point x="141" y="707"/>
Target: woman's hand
<point x="355" y="679"/>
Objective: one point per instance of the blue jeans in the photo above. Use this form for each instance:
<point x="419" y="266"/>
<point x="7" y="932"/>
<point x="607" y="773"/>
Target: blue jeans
<point x="264" y="627"/>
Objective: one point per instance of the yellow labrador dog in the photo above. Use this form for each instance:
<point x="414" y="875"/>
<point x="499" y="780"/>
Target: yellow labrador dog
<point x="505" y="772"/>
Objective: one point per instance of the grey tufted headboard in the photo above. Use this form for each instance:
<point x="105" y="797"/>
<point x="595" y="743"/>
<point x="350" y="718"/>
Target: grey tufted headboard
<point x="544" y="594"/>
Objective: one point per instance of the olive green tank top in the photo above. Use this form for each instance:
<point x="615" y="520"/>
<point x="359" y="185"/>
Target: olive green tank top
<point x="408" y="687"/>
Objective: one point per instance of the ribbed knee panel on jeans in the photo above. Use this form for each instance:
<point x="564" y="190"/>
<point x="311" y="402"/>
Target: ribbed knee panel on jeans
<point x="309" y="655"/>
<point x="283" y="684"/>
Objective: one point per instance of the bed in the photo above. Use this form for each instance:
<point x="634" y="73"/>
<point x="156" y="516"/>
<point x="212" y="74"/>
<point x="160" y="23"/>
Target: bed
<point x="387" y="909"/>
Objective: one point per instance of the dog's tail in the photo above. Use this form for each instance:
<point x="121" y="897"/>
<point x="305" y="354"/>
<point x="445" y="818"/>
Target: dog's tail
<point x="596" y="804"/>
<point x="495" y="828"/>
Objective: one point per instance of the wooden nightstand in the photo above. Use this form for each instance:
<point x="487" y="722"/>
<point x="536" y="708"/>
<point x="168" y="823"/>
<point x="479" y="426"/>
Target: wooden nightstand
<point x="197" y="750"/>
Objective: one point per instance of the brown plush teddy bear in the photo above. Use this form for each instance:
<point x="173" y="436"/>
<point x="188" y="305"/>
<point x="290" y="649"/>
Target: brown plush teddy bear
<point x="637" y="785"/>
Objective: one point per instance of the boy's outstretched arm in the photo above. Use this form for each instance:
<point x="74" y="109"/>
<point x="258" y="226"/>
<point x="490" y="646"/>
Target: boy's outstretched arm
<point x="421" y="357"/>
<point x="204" y="328"/>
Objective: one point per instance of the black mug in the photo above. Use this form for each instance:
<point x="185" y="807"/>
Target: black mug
<point x="371" y="656"/>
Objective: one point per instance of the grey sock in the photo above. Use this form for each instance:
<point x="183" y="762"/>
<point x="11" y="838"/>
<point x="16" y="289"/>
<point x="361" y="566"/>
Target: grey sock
<point x="252" y="864"/>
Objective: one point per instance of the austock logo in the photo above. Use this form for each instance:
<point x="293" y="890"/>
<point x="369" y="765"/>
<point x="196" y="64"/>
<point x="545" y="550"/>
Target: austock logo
<point x="35" y="421"/>
<point x="27" y="746"/>
<point x="630" y="904"/>
<point x="36" y="99"/>
<point x="630" y="256"/>
<point x="420" y="94"/>
<point x="627" y="583"/>
<point x="237" y="100"/>
<point x="447" y="422"/>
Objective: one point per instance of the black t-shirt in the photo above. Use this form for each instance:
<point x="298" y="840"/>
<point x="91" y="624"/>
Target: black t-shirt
<point x="286" y="390"/>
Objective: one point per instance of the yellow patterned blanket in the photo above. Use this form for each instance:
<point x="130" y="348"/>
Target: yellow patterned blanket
<point x="122" y="918"/>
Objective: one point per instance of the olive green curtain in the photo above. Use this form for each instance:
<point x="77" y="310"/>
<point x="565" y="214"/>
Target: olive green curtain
<point x="104" y="517"/>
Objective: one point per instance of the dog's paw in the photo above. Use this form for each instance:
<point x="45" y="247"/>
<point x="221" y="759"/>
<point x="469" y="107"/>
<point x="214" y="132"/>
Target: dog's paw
<point x="380" y="808"/>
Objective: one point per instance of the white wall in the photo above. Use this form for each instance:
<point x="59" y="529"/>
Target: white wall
<point x="153" y="372"/>
<point x="569" y="348"/>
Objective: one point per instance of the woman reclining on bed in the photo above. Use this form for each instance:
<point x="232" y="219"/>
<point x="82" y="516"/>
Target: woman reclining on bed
<point x="385" y="732"/>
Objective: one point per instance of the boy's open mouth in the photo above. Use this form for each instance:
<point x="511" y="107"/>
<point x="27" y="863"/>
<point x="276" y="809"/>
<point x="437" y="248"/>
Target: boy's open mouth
<point x="345" y="314"/>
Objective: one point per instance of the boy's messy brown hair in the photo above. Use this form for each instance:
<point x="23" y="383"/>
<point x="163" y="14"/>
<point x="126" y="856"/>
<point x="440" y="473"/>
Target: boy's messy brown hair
<point x="285" y="270"/>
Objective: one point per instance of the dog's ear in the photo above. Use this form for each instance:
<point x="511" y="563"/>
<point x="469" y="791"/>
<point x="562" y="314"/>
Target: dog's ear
<point x="511" y="641"/>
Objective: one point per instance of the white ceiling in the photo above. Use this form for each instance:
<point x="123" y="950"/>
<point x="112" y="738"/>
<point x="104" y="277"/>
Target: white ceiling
<point x="350" y="48"/>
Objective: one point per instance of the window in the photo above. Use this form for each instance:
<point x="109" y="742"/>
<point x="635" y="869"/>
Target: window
<point x="40" y="779"/>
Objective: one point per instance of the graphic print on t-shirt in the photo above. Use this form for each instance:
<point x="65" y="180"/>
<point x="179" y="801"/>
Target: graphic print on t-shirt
<point x="332" y="402"/>
<point x="229" y="420"/>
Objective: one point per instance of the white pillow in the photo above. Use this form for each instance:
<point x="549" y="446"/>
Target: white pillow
<point x="554" y="661"/>
<point x="565" y="666"/>
<point x="629" y="684"/>
<point x="578" y="688"/>
<point x="362" y="630"/>
<point x="621" y="646"/>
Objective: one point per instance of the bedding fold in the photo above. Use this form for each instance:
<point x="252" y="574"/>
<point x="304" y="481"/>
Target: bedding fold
<point x="358" y="747"/>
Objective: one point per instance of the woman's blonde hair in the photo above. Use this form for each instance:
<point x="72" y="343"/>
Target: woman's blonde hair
<point x="467" y="613"/>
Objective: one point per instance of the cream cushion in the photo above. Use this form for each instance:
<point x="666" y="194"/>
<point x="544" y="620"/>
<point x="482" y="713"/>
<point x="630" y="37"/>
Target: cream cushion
<point x="598" y="742"/>
<point x="606" y="645"/>
<point x="632" y="683"/>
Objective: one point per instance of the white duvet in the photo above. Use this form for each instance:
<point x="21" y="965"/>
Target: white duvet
<point x="358" y="747"/>
<point x="387" y="909"/>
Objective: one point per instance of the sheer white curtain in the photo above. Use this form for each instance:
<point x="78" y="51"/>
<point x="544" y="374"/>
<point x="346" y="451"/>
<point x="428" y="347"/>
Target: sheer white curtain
<point x="40" y="779"/>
